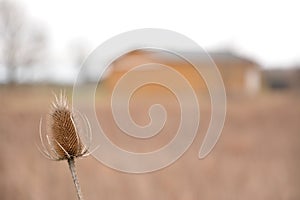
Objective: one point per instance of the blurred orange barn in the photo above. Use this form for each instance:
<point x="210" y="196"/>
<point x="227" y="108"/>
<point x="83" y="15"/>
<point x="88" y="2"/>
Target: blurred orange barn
<point x="240" y="75"/>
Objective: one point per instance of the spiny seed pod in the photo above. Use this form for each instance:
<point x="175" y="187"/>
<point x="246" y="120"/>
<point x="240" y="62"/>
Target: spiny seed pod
<point x="63" y="141"/>
<point x="64" y="132"/>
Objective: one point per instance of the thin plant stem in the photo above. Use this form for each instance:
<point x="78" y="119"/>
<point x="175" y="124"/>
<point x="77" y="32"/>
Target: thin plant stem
<point x="71" y="163"/>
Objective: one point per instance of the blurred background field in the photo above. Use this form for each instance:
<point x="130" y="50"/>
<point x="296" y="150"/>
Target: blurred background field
<point x="254" y="44"/>
<point x="255" y="158"/>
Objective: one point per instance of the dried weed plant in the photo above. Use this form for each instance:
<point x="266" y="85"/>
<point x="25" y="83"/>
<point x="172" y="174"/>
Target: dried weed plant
<point x="63" y="140"/>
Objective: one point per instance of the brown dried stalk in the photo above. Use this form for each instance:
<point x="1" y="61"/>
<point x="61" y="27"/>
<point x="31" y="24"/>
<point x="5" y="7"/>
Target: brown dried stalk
<point x="63" y="141"/>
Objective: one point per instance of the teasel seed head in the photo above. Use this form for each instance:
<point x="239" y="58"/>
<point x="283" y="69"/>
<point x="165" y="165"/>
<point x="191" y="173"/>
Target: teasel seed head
<point x="63" y="137"/>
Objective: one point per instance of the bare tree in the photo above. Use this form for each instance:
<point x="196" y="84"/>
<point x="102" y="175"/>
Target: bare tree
<point x="21" y="44"/>
<point x="79" y="50"/>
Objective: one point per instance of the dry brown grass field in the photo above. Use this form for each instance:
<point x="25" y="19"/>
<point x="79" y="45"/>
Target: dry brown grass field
<point x="257" y="156"/>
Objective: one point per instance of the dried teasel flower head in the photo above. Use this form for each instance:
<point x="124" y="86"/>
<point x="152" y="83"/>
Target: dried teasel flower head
<point x="63" y="138"/>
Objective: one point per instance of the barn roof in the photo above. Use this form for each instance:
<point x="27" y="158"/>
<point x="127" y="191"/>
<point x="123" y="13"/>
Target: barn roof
<point x="217" y="56"/>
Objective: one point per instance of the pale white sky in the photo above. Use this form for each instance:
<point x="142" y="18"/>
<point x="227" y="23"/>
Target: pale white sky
<point x="267" y="31"/>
